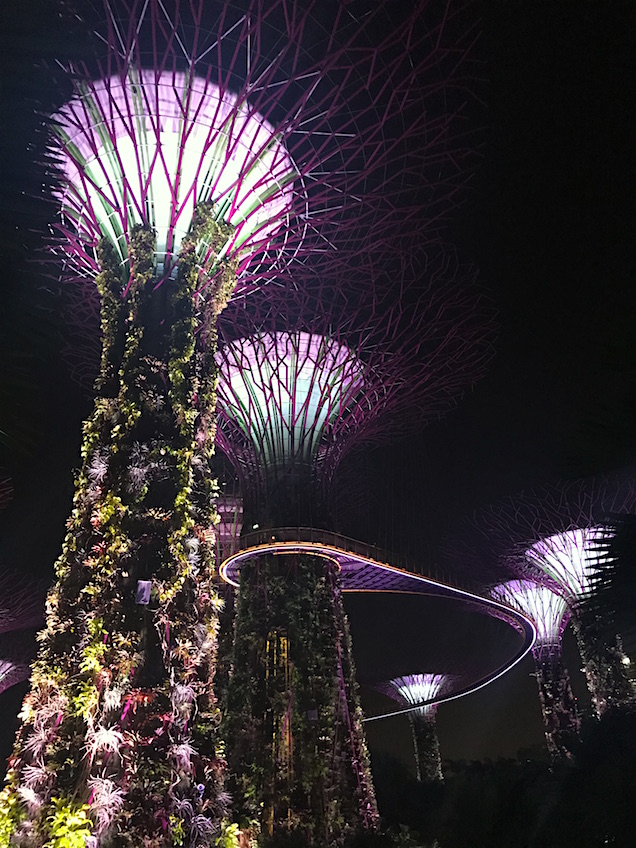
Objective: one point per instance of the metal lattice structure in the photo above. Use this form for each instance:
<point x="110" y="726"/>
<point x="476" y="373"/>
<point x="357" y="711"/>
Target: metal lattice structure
<point x="310" y="129"/>
<point x="17" y="652"/>
<point x="566" y="560"/>
<point x="306" y="377"/>
<point x="549" y="611"/>
<point x="21" y="603"/>
<point x="21" y="610"/>
<point x="546" y="608"/>
<point x="551" y="536"/>
<point x="415" y="689"/>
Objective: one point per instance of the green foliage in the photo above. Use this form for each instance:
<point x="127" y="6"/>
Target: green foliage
<point x="290" y="766"/>
<point x="69" y="825"/>
<point x="177" y="832"/>
<point x="229" y="838"/>
<point x="11" y="814"/>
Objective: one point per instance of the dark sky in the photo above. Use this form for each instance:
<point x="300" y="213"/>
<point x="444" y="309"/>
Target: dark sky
<point x="548" y="218"/>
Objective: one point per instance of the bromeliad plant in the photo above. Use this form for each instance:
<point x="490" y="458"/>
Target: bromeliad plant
<point x="118" y="744"/>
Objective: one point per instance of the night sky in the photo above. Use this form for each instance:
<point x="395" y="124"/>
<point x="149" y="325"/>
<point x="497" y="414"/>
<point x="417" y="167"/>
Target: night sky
<point x="548" y="218"/>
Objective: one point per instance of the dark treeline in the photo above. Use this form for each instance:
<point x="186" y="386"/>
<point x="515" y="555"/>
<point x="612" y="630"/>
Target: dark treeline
<point x="521" y="803"/>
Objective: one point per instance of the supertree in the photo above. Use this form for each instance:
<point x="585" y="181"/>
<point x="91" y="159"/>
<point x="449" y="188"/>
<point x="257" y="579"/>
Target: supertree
<point x="202" y="148"/>
<point x="305" y="128"/>
<point x="549" y="611"/>
<point x="310" y="374"/>
<point x="551" y="534"/>
<point x="307" y="375"/>
<point x="411" y="691"/>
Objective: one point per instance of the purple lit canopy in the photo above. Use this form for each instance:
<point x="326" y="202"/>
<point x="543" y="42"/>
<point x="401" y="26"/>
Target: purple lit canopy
<point x="17" y="652"/>
<point x="307" y="375"/>
<point x="546" y="533"/>
<point x="546" y="608"/>
<point x="551" y="535"/>
<point x="415" y="689"/>
<point x="288" y="390"/>
<point x="148" y="147"/>
<point x="567" y="559"/>
<point x="313" y="128"/>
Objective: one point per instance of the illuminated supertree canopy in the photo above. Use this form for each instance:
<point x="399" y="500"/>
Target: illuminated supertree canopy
<point x="147" y="148"/>
<point x="566" y="559"/>
<point x="551" y="535"/>
<point x="546" y="608"/>
<point x="413" y="690"/>
<point x="204" y="149"/>
<point x="307" y="377"/>
<point x="549" y="611"/>
<point x="302" y="128"/>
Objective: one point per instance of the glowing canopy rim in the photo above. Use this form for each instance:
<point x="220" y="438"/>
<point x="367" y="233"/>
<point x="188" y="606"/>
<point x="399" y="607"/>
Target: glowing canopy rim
<point x="565" y="559"/>
<point x="148" y="147"/>
<point x="547" y="609"/>
<point x="285" y="391"/>
<point x="360" y="573"/>
<point x="418" y="689"/>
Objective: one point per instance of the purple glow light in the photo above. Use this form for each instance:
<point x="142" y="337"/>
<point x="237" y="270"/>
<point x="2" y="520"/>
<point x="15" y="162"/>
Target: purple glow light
<point x="318" y="132"/>
<point x="12" y="673"/>
<point x="566" y="559"/>
<point x="286" y="391"/>
<point x="147" y="148"/>
<point x="548" y="611"/>
<point x="17" y="652"/>
<point x="416" y="688"/>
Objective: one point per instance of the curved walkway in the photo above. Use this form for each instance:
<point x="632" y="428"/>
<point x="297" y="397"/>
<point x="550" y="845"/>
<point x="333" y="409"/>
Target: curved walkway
<point x="364" y="568"/>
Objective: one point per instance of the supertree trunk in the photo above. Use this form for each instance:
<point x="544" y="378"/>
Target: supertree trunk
<point x="118" y="744"/>
<point x="558" y="706"/>
<point x="428" y="762"/>
<point x="608" y="682"/>
<point x="293" y="718"/>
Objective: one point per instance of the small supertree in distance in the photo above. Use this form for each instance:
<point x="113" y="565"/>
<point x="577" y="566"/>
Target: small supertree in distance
<point x="307" y="375"/>
<point x="551" y="534"/>
<point x="549" y="612"/>
<point x="205" y="146"/>
<point x="412" y="690"/>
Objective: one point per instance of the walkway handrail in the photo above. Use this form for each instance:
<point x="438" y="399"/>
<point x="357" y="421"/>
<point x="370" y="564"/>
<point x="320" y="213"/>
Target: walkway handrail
<point x="256" y="538"/>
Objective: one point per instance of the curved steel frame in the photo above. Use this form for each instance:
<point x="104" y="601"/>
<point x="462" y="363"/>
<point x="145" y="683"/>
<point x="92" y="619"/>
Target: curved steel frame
<point x="361" y="572"/>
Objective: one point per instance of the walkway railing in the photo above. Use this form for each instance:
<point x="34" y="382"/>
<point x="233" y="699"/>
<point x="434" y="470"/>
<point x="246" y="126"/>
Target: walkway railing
<point x="311" y="535"/>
